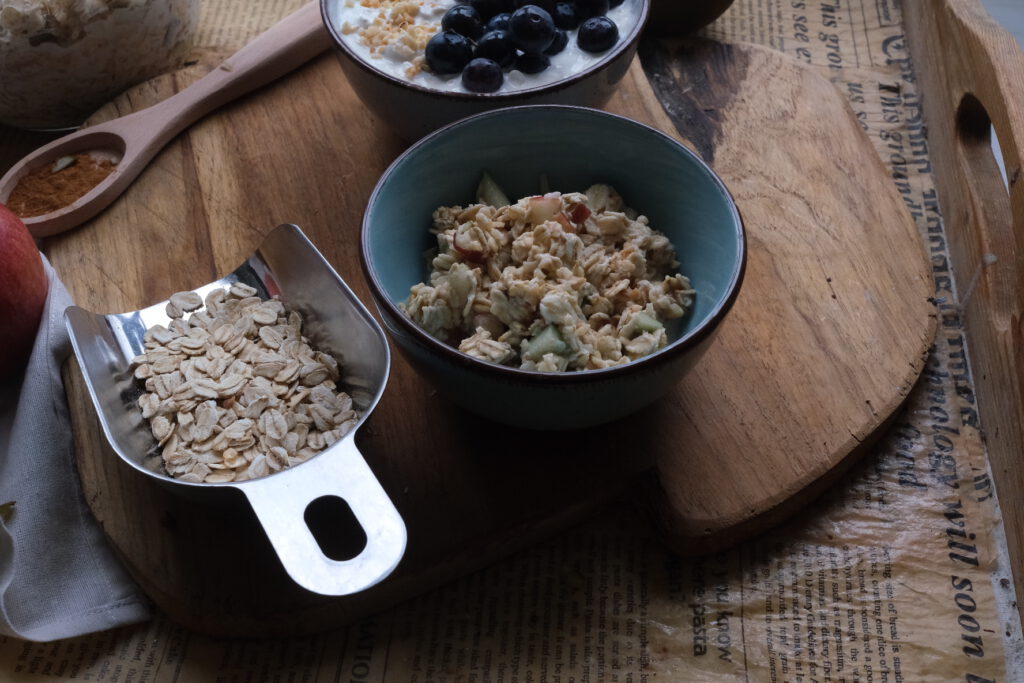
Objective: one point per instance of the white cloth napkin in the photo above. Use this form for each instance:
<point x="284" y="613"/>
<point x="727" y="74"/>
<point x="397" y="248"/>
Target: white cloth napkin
<point x="58" y="576"/>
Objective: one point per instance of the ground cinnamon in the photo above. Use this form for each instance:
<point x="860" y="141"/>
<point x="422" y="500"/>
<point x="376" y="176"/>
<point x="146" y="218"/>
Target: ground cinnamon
<point x="54" y="186"/>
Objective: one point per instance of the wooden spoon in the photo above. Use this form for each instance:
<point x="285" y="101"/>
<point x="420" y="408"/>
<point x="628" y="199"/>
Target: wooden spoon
<point x="136" y="138"/>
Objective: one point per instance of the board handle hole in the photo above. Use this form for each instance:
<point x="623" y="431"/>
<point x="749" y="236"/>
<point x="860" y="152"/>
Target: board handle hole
<point x="979" y="141"/>
<point x="989" y="249"/>
<point x="335" y="528"/>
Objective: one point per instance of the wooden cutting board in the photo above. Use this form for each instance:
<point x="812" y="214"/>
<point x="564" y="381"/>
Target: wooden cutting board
<point x="829" y="333"/>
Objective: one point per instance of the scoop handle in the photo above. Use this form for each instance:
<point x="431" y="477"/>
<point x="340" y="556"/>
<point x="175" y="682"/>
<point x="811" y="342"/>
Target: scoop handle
<point x="280" y="503"/>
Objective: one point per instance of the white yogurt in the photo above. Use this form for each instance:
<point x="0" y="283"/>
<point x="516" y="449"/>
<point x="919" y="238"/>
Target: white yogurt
<point x="370" y="29"/>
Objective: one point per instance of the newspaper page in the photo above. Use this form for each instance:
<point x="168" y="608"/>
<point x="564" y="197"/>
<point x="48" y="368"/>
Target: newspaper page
<point x="898" y="573"/>
<point x="229" y="24"/>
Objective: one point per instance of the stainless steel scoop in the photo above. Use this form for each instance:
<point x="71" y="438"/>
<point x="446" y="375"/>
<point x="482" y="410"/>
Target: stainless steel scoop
<point x="335" y="321"/>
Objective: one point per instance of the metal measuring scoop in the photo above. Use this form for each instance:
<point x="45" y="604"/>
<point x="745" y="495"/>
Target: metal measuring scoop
<point x="337" y="323"/>
<point x="135" y="139"/>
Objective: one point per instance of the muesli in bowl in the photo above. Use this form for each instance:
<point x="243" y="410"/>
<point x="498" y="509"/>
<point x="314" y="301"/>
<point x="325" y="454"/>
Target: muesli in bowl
<point x="567" y="277"/>
<point x="553" y="283"/>
<point x="420" y="64"/>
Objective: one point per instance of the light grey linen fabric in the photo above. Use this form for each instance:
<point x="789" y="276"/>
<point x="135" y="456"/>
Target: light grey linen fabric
<point x="58" y="576"/>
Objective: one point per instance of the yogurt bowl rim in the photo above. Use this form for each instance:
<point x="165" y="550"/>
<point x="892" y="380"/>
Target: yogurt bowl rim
<point x="625" y="40"/>
<point x="684" y="342"/>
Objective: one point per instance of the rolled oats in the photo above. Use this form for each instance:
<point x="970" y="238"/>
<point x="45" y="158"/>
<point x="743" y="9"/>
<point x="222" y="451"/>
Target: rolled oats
<point x="235" y="391"/>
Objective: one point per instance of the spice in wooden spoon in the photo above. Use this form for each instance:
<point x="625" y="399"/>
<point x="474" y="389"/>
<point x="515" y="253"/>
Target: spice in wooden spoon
<point x="54" y="186"/>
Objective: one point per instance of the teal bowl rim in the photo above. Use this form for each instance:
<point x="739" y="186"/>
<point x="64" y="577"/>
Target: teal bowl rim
<point x="663" y="355"/>
<point x="624" y="45"/>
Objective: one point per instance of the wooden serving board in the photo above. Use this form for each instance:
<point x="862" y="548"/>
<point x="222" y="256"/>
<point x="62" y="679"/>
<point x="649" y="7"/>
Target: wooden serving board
<point x="829" y="333"/>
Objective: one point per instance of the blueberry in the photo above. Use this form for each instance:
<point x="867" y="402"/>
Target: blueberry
<point x="591" y="8"/>
<point x="546" y="5"/>
<point x="482" y="75"/>
<point x="499" y="22"/>
<point x="463" y="19"/>
<point x="532" y="28"/>
<point x="532" y="62"/>
<point x="496" y="45"/>
<point x="487" y="8"/>
<point x="558" y="44"/>
<point x="597" y="34"/>
<point x="565" y="16"/>
<point x="447" y="52"/>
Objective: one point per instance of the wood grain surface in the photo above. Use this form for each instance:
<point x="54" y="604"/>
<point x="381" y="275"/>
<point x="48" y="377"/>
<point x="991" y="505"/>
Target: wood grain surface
<point x="967" y="91"/>
<point x="829" y="333"/>
<point x="833" y="325"/>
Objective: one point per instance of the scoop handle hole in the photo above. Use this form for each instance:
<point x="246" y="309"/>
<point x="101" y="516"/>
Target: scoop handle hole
<point x="335" y="528"/>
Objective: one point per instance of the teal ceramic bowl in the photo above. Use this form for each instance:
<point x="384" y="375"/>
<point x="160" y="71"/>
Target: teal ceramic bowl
<point x="573" y="148"/>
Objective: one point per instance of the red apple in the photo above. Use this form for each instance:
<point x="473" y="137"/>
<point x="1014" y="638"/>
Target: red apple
<point x="23" y="288"/>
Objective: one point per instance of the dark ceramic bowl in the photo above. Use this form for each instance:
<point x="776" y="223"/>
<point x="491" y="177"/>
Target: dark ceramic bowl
<point x="573" y="147"/>
<point x="412" y="110"/>
<point x="682" y="17"/>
